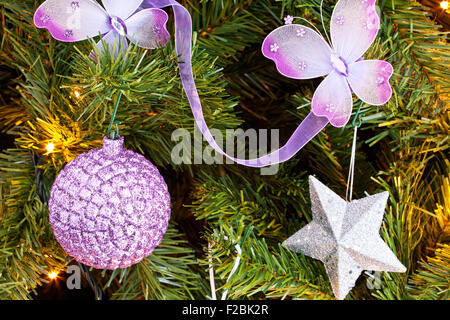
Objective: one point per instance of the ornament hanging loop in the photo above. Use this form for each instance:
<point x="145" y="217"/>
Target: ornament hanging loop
<point x="357" y="117"/>
<point x="113" y="135"/>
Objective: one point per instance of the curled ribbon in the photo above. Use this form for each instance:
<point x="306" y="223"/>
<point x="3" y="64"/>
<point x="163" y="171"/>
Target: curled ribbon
<point x="307" y="129"/>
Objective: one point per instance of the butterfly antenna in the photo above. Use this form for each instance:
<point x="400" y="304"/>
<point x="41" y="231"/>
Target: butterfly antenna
<point x="308" y="22"/>
<point x="323" y="23"/>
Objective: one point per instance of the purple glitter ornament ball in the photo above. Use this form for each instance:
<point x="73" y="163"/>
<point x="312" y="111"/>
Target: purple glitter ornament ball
<point x="109" y="207"/>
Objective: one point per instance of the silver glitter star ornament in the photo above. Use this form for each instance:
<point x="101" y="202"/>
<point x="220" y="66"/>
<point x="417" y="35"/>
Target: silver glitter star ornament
<point x="345" y="237"/>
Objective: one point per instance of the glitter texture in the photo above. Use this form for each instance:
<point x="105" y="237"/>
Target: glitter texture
<point x="109" y="207"/>
<point x="345" y="237"/>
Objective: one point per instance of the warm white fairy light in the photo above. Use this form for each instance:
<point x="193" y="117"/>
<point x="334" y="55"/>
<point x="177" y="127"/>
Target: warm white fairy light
<point x="77" y="93"/>
<point x="53" y="275"/>
<point x="50" y="147"/>
<point x="444" y="5"/>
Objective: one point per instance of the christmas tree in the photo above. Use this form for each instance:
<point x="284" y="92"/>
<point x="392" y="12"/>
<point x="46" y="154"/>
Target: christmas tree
<point x="228" y="221"/>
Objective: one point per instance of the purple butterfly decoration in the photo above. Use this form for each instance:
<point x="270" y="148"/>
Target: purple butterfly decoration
<point x="71" y="21"/>
<point x="300" y="52"/>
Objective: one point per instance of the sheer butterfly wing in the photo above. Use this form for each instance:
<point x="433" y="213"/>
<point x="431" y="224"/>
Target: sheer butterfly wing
<point x="121" y="8"/>
<point x="147" y="28"/>
<point x="333" y="100"/>
<point x="369" y="79"/>
<point x="354" y="26"/>
<point x="71" y="21"/>
<point x="298" y="52"/>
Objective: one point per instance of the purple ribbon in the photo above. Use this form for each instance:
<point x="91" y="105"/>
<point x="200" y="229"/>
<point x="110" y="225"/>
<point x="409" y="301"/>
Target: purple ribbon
<point x="307" y="129"/>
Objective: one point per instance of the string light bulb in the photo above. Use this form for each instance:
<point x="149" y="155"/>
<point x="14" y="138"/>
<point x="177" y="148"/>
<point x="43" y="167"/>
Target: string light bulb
<point x="76" y="93"/>
<point x="53" y="275"/>
<point x="50" y="147"/>
<point x="444" y="5"/>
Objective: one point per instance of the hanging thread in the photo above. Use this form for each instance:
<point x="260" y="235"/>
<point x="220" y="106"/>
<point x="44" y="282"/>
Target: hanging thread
<point x="351" y="170"/>
<point x="233" y="270"/>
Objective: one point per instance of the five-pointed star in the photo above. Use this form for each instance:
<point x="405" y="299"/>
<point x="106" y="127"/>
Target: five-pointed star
<point x="345" y="237"/>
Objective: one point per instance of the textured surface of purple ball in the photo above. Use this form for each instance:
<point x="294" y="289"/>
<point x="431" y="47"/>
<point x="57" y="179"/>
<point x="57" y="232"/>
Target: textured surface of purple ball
<point x="109" y="207"/>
